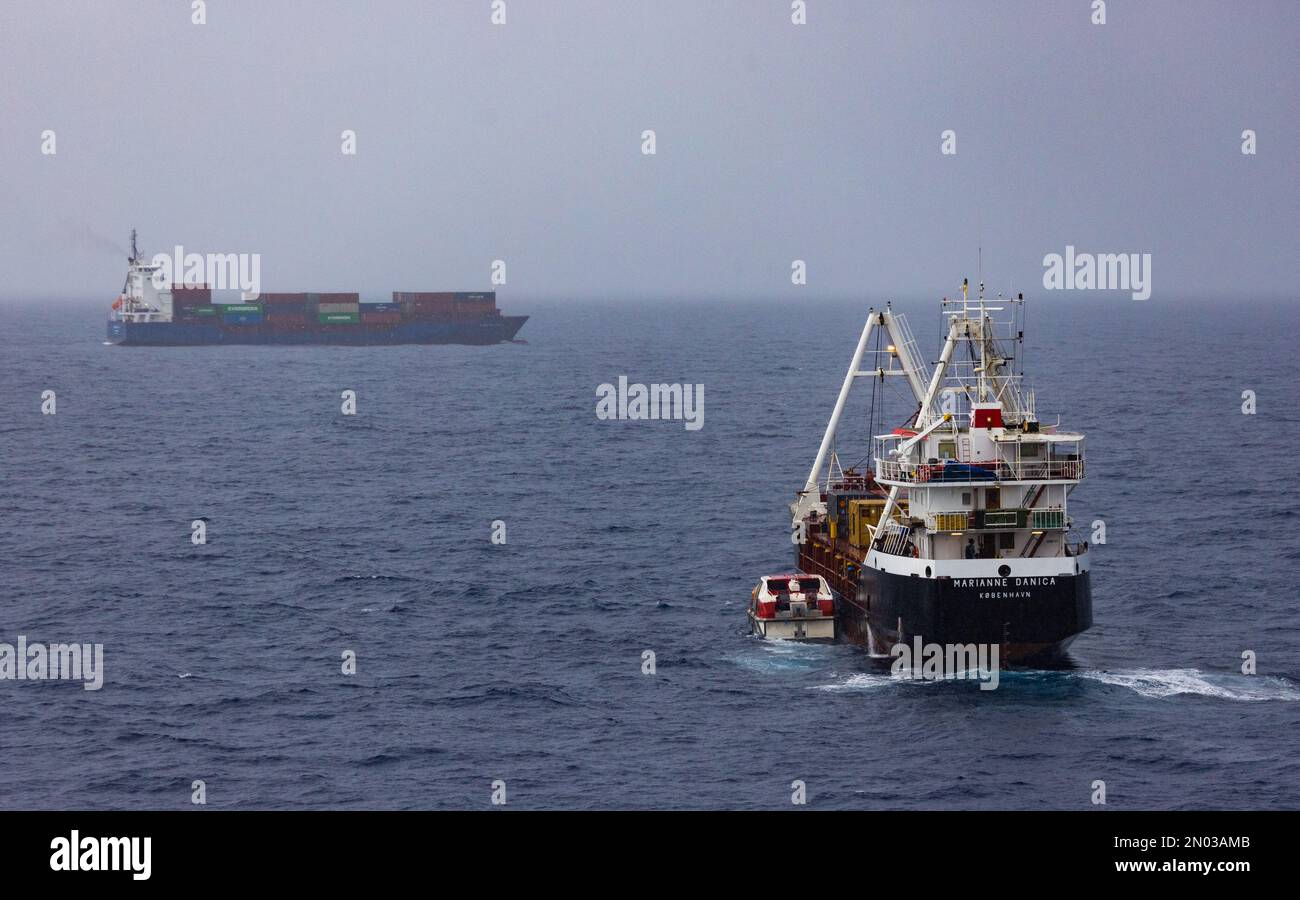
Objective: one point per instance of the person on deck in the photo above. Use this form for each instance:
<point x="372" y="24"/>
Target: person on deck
<point x="970" y="548"/>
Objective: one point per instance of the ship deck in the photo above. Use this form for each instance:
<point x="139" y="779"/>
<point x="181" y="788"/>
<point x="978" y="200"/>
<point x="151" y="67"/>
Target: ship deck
<point x="835" y="559"/>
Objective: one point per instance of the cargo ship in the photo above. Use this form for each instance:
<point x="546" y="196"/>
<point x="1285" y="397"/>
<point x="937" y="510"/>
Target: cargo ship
<point x="185" y="314"/>
<point x="960" y="532"/>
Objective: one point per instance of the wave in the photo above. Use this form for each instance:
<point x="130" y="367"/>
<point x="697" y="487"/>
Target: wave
<point x="1219" y="685"/>
<point x="1156" y="683"/>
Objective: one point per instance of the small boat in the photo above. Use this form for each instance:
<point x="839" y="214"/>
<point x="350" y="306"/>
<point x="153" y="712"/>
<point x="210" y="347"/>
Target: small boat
<point x="793" y="608"/>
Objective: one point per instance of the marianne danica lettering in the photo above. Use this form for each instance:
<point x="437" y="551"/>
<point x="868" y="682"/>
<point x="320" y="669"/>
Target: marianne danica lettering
<point x="1047" y="581"/>
<point x="1006" y="586"/>
<point x="102" y="854"/>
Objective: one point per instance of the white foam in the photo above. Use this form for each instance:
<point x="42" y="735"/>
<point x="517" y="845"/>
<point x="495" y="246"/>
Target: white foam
<point x="775" y="655"/>
<point x="1146" y="682"/>
<point x="860" y="681"/>
<point x="869" y="681"/>
<point x="1222" y="686"/>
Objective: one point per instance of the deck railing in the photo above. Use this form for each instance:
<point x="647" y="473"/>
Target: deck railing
<point x="952" y="472"/>
<point x="1041" y="518"/>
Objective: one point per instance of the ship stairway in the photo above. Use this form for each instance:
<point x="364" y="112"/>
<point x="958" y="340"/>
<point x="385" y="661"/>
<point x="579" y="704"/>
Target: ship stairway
<point x="896" y="536"/>
<point x="1032" y="546"/>
<point x="1033" y="501"/>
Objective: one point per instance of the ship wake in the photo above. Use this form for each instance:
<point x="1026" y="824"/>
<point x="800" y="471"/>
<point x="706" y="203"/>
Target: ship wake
<point x="1218" y="685"/>
<point x="1154" y="683"/>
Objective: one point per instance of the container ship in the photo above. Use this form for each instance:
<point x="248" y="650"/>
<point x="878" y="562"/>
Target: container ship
<point x="185" y="314"/>
<point x="959" y="533"/>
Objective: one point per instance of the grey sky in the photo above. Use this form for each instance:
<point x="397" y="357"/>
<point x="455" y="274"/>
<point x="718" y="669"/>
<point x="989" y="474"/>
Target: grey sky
<point x="775" y="142"/>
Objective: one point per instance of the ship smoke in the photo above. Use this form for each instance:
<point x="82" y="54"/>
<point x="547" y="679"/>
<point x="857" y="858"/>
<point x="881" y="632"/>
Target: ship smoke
<point x="90" y="240"/>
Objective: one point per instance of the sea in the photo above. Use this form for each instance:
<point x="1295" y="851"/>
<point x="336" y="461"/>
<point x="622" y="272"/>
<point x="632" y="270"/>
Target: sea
<point x="350" y="636"/>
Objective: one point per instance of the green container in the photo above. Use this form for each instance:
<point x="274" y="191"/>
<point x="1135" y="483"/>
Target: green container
<point x="233" y="308"/>
<point x="1048" y="518"/>
<point x="338" y="318"/>
<point x="201" y="310"/>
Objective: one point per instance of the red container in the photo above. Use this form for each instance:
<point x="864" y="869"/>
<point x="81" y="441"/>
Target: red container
<point x="381" y="318"/>
<point x="473" y="310"/>
<point x="429" y="312"/>
<point x="184" y="295"/>
<point x="338" y="298"/>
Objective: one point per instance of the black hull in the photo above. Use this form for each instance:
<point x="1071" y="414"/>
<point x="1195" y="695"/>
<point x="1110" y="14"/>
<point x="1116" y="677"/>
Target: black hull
<point x="1032" y="620"/>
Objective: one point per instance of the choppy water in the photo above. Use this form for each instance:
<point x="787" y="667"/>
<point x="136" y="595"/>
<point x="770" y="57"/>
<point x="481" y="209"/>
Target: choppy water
<point x="523" y="662"/>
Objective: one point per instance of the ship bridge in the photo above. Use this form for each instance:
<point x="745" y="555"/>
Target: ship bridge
<point x="1016" y="457"/>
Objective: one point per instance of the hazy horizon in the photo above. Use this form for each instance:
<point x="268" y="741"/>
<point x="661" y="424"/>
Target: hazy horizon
<point x="522" y="142"/>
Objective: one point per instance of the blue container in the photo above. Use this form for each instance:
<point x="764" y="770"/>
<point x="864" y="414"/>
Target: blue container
<point x="381" y="307"/>
<point x="242" y="318"/>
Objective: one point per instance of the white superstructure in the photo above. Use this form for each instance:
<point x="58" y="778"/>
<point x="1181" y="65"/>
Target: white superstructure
<point x="984" y="480"/>
<point x="141" y="300"/>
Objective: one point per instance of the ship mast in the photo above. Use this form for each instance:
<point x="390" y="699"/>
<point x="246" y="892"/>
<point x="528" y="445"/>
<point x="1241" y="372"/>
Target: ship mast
<point x="903" y="351"/>
<point x="993" y="381"/>
<point x="130" y="260"/>
<point x="982" y="389"/>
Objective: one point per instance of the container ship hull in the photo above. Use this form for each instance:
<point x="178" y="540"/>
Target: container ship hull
<point x="489" y="330"/>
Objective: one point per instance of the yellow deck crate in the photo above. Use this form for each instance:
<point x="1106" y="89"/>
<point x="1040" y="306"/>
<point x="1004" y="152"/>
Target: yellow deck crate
<point x="865" y="515"/>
